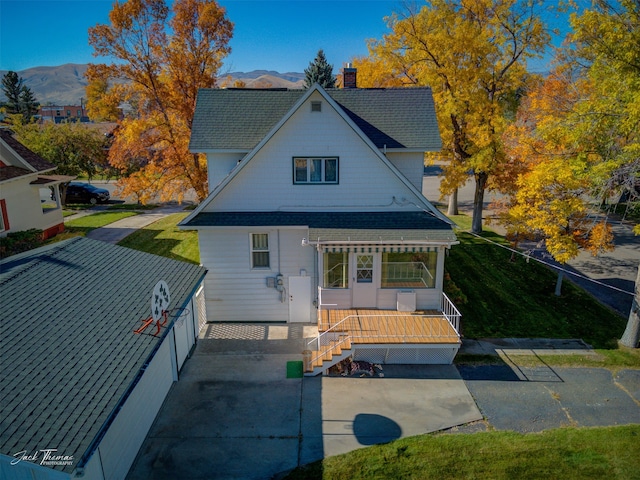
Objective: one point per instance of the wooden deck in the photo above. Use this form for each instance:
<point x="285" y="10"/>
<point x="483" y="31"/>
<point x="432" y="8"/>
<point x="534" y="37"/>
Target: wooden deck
<point x="370" y="326"/>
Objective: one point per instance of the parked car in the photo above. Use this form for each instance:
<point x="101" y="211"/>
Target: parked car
<point x="85" y="193"/>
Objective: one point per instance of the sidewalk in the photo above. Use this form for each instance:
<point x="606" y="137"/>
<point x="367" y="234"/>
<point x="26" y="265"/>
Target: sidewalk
<point x="116" y="231"/>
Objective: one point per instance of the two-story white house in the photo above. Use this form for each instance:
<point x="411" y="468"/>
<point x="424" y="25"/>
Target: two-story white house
<point x="315" y="213"/>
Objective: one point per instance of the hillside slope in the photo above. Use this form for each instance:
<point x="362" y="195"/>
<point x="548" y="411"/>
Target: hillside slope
<point x="65" y="84"/>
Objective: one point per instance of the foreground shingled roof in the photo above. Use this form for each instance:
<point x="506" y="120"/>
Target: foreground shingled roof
<point x="227" y="119"/>
<point x="67" y="351"/>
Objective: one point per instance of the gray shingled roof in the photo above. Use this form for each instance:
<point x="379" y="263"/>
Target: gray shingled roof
<point x="67" y="350"/>
<point x="339" y="226"/>
<point x="227" y="119"/>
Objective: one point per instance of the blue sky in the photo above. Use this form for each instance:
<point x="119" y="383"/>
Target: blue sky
<point x="280" y="35"/>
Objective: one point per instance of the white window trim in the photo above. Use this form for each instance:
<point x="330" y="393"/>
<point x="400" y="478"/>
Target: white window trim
<point x="254" y="250"/>
<point x="323" y="172"/>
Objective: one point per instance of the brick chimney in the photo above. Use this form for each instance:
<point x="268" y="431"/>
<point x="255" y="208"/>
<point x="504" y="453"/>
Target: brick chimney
<point x="349" y="76"/>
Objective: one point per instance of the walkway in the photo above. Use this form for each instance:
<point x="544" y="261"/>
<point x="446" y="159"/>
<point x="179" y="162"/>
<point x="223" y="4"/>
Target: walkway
<point x="116" y="231"/>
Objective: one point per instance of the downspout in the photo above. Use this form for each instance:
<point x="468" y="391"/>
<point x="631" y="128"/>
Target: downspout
<point x="283" y="292"/>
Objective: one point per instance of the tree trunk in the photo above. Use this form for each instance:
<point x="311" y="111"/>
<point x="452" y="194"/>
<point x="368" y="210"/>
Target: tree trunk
<point x="631" y="336"/>
<point x="558" y="291"/>
<point x="452" y="208"/>
<point x="478" y="201"/>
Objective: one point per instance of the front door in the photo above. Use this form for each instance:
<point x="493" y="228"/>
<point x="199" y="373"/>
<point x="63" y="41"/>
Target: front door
<point x="300" y="299"/>
<point x="364" y="287"/>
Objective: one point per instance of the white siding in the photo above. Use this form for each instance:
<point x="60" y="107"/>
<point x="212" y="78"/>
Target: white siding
<point x="236" y="292"/>
<point x="181" y="331"/>
<point x="29" y="471"/>
<point x="336" y="298"/>
<point x="93" y="468"/>
<point x="411" y="165"/>
<point x="266" y="181"/>
<point x="426" y="298"/>
<point x="120" y="445"/>
<point x="24" y="209"/>
<point x="201" y="309"/>
<point x="219" y="165"/>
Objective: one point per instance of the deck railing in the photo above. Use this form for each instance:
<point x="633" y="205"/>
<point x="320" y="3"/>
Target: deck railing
<point x="337" y="276"/>
<point x="448" y="308"/>
<point x="394" y="272"/>
<point x="352" y="326"/>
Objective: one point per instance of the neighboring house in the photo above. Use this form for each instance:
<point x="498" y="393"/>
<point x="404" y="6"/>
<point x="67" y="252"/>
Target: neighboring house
<point x="23" y="174"/>
<point x="79" y="389"/>
<point x="316" y="214"/>
<point x="63" y="113"/>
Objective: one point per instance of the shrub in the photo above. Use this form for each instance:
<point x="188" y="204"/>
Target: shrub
<point x="17" y="242"/>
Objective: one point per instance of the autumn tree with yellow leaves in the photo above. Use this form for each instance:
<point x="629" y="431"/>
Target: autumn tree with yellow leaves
<point x="473" y="55"/>
<point x="162" y="56"/>
<point x="577" y="138"/>
<point x="552" y="172"/>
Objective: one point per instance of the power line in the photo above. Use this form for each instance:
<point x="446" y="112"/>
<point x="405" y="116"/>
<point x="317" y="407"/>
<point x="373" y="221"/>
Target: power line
<point x="550" y="264"/>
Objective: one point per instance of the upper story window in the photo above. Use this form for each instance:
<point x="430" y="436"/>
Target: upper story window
<point x="316" y="106"/>
<point x="315" y="170"/>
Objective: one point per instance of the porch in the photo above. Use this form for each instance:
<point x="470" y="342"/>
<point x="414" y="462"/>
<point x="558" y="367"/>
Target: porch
<point x="384" y="336"/>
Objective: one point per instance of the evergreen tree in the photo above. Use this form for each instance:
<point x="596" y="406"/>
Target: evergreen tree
<point x="319" y="71"/>
<point x="29" y="105"/>
<point x="20" y="98"/>
<point x="11" y="87"/>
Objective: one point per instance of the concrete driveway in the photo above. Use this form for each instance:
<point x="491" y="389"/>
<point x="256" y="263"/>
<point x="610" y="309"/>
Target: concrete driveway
<point x="235" y="415"/>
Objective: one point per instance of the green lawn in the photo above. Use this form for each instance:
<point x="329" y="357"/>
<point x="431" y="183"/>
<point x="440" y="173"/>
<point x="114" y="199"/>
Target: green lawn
<point x="99" y="219"/>
<point x="83" y="225"/>
<point x="164" y="238"/>
<point x="567" y="453"/>
<point x="506" y="298"/>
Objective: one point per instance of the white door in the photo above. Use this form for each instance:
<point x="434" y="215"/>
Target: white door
<point x="300" y="299"/>
<point x="364" y="287"/>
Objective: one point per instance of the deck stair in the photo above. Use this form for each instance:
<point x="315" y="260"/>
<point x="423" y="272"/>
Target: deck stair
<point x="335" y="346"/>
<point x="329" y="355"/>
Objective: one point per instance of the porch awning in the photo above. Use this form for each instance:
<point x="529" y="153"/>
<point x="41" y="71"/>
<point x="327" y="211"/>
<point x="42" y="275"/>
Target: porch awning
<point x="376" y="248"/>
<point x="370" y="241"/>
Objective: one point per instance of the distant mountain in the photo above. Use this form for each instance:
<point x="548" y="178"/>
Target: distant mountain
<point x="65" y="84"/>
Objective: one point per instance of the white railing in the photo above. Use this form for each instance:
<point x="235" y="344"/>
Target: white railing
<point x="406" y="272"/>
<point x="334" y="278"/>
<point x="450" y="311"/>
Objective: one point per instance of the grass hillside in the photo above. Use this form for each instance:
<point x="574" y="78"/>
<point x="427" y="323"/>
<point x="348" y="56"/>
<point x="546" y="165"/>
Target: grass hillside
<point x="515" y="298"/>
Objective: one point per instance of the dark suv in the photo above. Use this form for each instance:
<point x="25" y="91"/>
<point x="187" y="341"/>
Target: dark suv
<point x="86" y="193"/>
